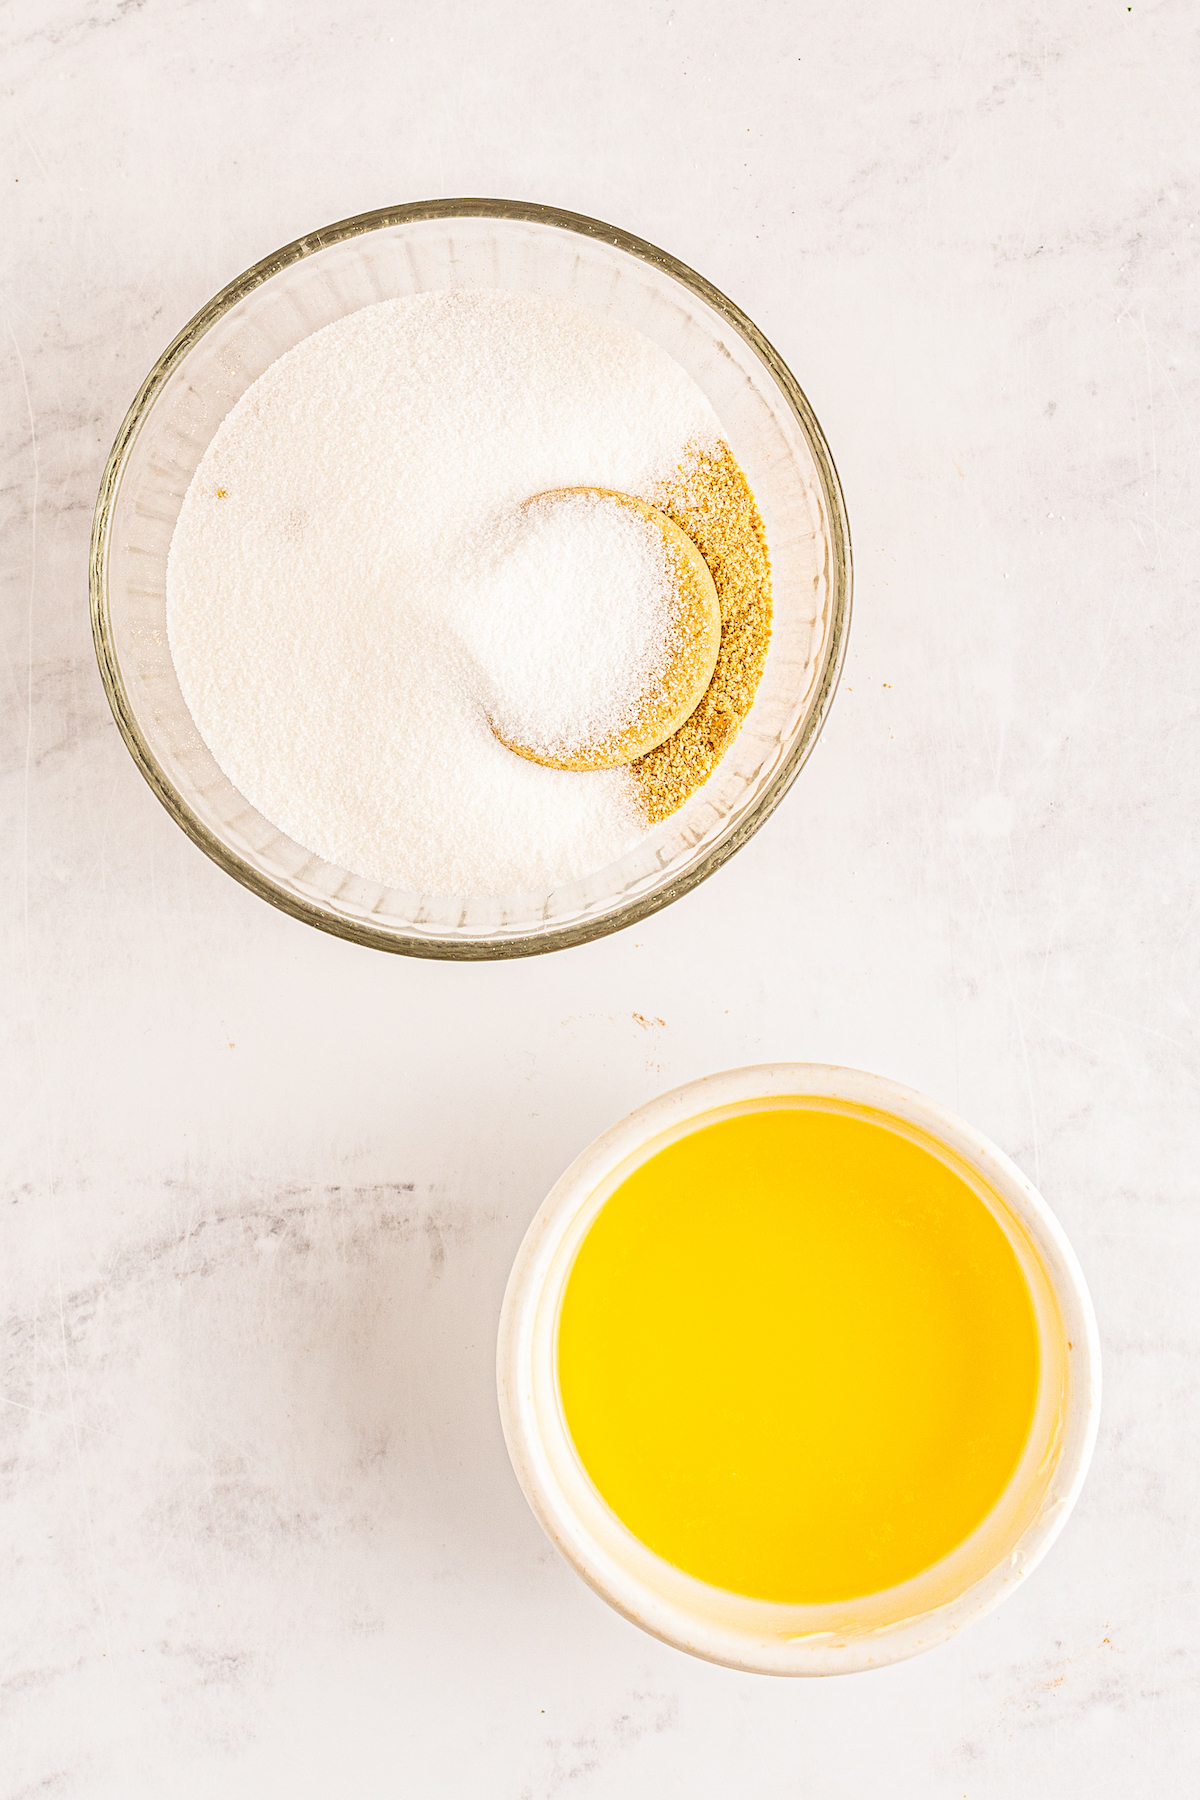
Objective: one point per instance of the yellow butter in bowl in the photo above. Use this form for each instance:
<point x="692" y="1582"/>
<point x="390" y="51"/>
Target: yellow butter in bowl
<point x="798" y="1356"/>
<point x="797" y="1370"/>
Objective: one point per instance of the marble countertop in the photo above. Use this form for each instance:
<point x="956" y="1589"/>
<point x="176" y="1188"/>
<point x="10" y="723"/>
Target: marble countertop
<point x="262" y="1188"/>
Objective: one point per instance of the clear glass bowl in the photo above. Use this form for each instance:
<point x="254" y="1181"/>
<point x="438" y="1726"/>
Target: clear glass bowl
<point x="468" y="244"/>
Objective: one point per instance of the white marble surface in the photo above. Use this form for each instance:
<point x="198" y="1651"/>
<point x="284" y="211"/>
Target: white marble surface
<point x="261" y="1188"/>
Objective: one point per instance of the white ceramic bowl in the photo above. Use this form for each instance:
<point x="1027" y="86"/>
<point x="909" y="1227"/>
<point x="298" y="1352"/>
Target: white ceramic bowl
<point x="410" y="250"/>
<point x="730" y="1628"/>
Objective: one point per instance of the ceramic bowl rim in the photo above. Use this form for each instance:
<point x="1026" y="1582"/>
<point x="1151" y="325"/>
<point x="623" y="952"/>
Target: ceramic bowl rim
<point x="525" y="1433"/>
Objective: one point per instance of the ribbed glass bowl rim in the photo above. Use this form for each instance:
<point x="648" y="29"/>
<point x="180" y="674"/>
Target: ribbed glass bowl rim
<point x="310" y="911"/>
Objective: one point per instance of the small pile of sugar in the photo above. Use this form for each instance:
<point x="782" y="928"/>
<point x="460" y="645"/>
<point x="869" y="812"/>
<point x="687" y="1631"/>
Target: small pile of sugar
<point x="571" y="623"/>
<point x="345" y="597"/>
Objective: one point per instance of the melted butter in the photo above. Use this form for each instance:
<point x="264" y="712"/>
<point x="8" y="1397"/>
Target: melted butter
<point x="797" y="1356"/>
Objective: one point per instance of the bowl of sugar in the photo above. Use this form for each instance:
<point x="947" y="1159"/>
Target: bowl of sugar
<point x="470" y="579"/>
<point x="798" y="1371"/>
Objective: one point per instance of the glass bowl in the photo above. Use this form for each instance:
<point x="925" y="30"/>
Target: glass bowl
<point x="761" y="1636"/>
<point x="469" y="244"/>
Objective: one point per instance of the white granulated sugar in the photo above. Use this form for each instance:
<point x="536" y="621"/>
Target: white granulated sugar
<point x="356" y="586"/>
<point x="579" y="587"/>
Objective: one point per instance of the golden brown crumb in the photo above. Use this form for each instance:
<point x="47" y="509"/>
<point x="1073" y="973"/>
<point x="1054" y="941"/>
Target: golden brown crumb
<point x="710" y="498"/>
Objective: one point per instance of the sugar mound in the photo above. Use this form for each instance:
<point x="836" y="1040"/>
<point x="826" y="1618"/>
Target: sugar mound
<point x="354" y="583"/>
<point x="572" y="623"/>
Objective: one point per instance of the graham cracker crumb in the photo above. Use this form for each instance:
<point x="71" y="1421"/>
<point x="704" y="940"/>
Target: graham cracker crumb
<point x="710" y="498"/>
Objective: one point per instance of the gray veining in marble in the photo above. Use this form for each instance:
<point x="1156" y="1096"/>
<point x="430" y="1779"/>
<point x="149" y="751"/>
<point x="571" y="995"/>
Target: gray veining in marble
<point x="261" y="1189"/>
